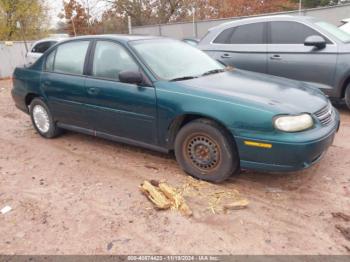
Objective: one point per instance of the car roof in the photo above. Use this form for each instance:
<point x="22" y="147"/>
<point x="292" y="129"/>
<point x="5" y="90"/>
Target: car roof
<point x="263" y="19"/>
<point x="121" y="37"/>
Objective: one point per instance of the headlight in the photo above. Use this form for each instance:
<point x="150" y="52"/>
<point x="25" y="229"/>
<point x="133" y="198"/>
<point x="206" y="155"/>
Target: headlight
<point x="293" y="123"/>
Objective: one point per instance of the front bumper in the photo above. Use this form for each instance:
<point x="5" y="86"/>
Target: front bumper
<point x="287" y="155"/>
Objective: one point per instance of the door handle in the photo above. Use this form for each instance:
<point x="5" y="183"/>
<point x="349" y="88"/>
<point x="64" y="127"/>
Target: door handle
<point x="93" y="91"/>
<point x="276" y="57"/>
<point x="226" y="56"/>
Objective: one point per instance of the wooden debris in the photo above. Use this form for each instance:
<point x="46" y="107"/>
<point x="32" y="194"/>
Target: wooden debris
<point x="164" y="196"/>
<point x="341" y="215"/>
<point x="176" y="198"/>
<point x="171" y="193"/>
<point x="218" y="198"/>
<point x="156" y="196"/>
<point x="240" y="204"/>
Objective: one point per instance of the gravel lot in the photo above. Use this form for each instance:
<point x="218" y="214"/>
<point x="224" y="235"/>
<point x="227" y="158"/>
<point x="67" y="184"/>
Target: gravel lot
<point x="79" y="195"/>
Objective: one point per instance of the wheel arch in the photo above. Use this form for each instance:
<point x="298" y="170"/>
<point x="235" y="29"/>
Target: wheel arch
<point x="181" y="120"/>
<point x="29" y="98"/>
<point x="345" y="85"/>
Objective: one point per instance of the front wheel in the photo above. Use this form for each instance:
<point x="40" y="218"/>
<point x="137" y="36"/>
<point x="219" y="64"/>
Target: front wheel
<point x="42" y="119"/>
<point x="347" y="96"/>
<point x="206" y="151"/>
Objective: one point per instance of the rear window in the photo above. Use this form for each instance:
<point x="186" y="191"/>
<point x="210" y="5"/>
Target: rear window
<point x="244" y="34"/>
<point x="224" y="36"/>
<point x="43" y="46"/>
<point x="49" y="61"/>
<point x="70" y="57"/>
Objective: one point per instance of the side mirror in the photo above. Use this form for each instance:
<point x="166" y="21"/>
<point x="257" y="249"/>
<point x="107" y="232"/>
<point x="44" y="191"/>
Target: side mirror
<point x="131" y="77"/>
<point x="315" y="40"/>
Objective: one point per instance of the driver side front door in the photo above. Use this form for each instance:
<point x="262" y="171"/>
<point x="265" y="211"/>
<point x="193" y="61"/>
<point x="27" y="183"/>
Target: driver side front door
<point x="119" y="109"/>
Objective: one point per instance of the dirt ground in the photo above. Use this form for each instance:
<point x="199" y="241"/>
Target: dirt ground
<point x="79" y="195"/>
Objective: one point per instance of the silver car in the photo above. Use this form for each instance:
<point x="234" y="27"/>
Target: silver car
<point x="296" y="47"/>
<point x="39" y="48"/>
<point x="346" y="25"/>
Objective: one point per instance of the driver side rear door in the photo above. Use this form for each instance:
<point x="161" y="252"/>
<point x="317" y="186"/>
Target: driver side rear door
<point x="242" y="46"/>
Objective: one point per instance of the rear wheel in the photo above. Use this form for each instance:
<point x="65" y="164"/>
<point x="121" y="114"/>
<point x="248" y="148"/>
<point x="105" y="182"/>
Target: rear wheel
<point x="347" y="96"/>
<point x="42" y="119"/>
<point x="206" y="151"/>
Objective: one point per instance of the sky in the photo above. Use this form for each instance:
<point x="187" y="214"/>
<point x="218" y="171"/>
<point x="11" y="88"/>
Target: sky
<point x="55" y="8"/>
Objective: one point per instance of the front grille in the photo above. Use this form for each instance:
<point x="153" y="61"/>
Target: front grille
<point x="325" y="115"/>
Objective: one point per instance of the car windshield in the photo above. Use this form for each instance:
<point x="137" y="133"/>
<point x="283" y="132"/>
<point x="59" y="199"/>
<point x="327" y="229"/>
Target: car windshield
<point x="335" y="31"/>
<point x="175" y="60"/>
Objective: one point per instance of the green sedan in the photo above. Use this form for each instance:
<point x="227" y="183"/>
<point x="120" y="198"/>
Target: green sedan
<point x="168" y="96"/>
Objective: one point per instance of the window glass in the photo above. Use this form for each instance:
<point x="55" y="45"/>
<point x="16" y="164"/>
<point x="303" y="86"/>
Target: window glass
<point x="244" y="34"/>
<point x="110" y="59"/>
<point x="42" y="47"/>
<point x="290" y="33"/>
<point x="49" y="61"/>
<point x="70" y="57"/>
<point x="335" y="31"/>
<point x="171" y="59"/>
<point x="248" y="34"/>
<point x="224" y="37"/>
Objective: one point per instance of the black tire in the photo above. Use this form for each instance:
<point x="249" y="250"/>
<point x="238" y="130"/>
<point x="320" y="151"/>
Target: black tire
<point x="206" y="151"/>
<point x="52" y="130"/>
<point x="347" y="96"/>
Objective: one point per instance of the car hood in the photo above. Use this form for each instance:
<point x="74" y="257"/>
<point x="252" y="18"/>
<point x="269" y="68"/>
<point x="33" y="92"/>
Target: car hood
<point x="254" y="89"/>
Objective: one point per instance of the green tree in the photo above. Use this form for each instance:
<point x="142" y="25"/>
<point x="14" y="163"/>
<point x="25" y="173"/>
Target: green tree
<point x="140" y="11"/>
<point x="171" y="10"/>
<point x="111" y="22"/>
<point x="31" y="15"/>
<point x="143" y="12"/>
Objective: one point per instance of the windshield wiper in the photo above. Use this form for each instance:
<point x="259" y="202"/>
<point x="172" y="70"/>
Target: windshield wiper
<point x="183" y="78"/>
<point x="215" y="71"/>
<point x="211" y="72"/>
